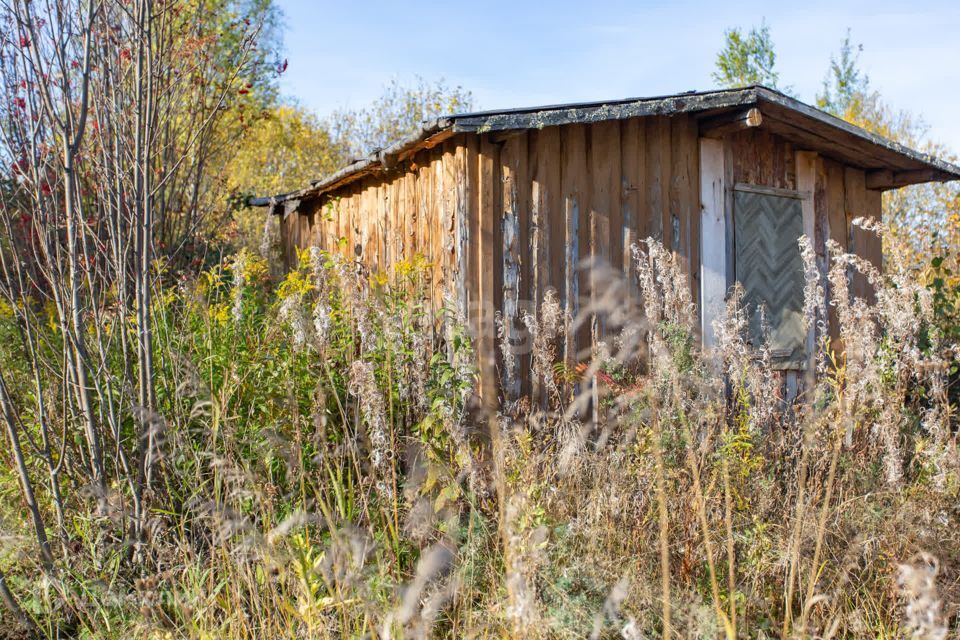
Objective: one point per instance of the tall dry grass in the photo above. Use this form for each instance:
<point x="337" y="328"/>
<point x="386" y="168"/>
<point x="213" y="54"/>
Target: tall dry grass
<point x="321" y="468"/>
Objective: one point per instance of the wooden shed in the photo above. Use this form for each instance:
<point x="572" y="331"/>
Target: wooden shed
<point x="506" y="204"/>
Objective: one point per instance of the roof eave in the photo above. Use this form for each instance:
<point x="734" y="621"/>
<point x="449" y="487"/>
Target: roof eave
<point x="426" y="137"/>
<point x="933" y="169"/>
<point x="921" y="167"/>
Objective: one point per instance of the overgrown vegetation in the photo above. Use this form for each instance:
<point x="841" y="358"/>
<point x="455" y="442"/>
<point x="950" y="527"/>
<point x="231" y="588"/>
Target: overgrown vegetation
<point x="197" y="446"/>
<point x="318" y="466"/>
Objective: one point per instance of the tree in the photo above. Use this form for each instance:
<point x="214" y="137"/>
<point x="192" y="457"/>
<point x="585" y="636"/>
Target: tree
<point x="845" y="84"/>
<point x="398" y="112"/>
<point x="283" y="150"/>
<point x="847" y="94"/>
<point x="194" y="142"/>
<point x="286" y="146"/>
<point x="747" y="60"/>
<point x="912" y="211"/>
<point x="307" y="152"/>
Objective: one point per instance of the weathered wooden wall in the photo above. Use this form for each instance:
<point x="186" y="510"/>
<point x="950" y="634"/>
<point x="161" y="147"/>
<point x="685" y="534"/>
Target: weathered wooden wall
<point x="505" y="216"/>
<point x="384" y="219"/>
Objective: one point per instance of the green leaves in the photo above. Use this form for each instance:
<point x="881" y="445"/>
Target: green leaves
<point x="747" y="59"/>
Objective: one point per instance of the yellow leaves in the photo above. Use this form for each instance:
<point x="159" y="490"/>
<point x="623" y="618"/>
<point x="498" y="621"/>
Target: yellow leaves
<point x="415" y="266"/>
<point x="53" y="318"/>
<point x="404" y="268"/>
<point x="212" y="279"/>
<point x="220" y="314"/>
<point x="251" y="267"/>
<point x="281" y="152"/>
<point x="379" y="279"/>
<point x="296" y="283"/>
<point x="447" y="495"/>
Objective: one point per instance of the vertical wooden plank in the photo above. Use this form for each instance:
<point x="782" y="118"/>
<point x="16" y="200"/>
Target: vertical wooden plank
<point x="354" y="250"/>
<point x="400" y="231"/>
<point x="713" y="263"/>
<point x="615" y="186"/>
<point x="347" y="246"/>
<point x="299" y="230"/>
<point x="337" y="222"/>
<point x="790" y="168"/>
<point x="512" y="162"/>
<point x="534" y="268"/>
<point x="855" y="203"/>
<point x="873" y="243"/>
<point x="654" y="182"/>
<point x="439" y="225"/>
<point x="575" y="195"/>
<point x="284" y="244"/>
<point x="370" y="219"/>
<point x="489" y="254"/>
<point x="692" y="208"/>
<point x="380" y="228"/>
<point x="340" y="223"/>
<point x="409" y="214"/>
<point x="342" y="242"/>
<point x="806" y="176"/>
<point x="390" y="225"/>
<point x="551" y="222"/>
<point x="325" y="213"/>
<point x="836" y="230"/>
<point x="633" y="183"/>
<point x="426" y="207"/>
<point x="474" y="308"/>
<point x="462" y="220"/>
<point x="680" y="187"/>
<point x="836" y="199"/>
<point x="729" y="181"/>
<point x="369" y="216"/>
<point x="525" y="301"/>
<point x="360" y="226"/>
<point x="422" y="192"/>
<point x="821" y="224"/>
<point x="634" y="203"/>
<point x="451" y="231"/>
<point x="426" y="215"/>
<point x="604" y="200"/>
<point x="321" y="216"/>
<point x="665" y="149"/>
<point x="806" y="163"/>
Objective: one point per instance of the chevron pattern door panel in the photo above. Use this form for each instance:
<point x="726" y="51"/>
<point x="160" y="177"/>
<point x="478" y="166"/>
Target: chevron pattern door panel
<point x="769" y="267"/>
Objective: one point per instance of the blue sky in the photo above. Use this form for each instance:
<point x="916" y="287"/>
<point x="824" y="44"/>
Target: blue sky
<point x="512" y="54"/>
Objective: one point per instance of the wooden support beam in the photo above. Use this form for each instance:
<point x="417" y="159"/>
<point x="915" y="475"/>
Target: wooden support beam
<point x="882" y="179"/>
<point x="719" y="126"/>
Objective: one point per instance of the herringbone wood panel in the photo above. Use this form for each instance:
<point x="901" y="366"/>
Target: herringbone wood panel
<point x="769" y="267"/>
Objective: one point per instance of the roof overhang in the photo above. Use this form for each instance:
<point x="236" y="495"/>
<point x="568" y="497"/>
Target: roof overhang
<point x="888" y="163"/>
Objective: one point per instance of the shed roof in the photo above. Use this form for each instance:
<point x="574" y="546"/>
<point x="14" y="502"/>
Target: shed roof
<point x="889" y="163"/>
